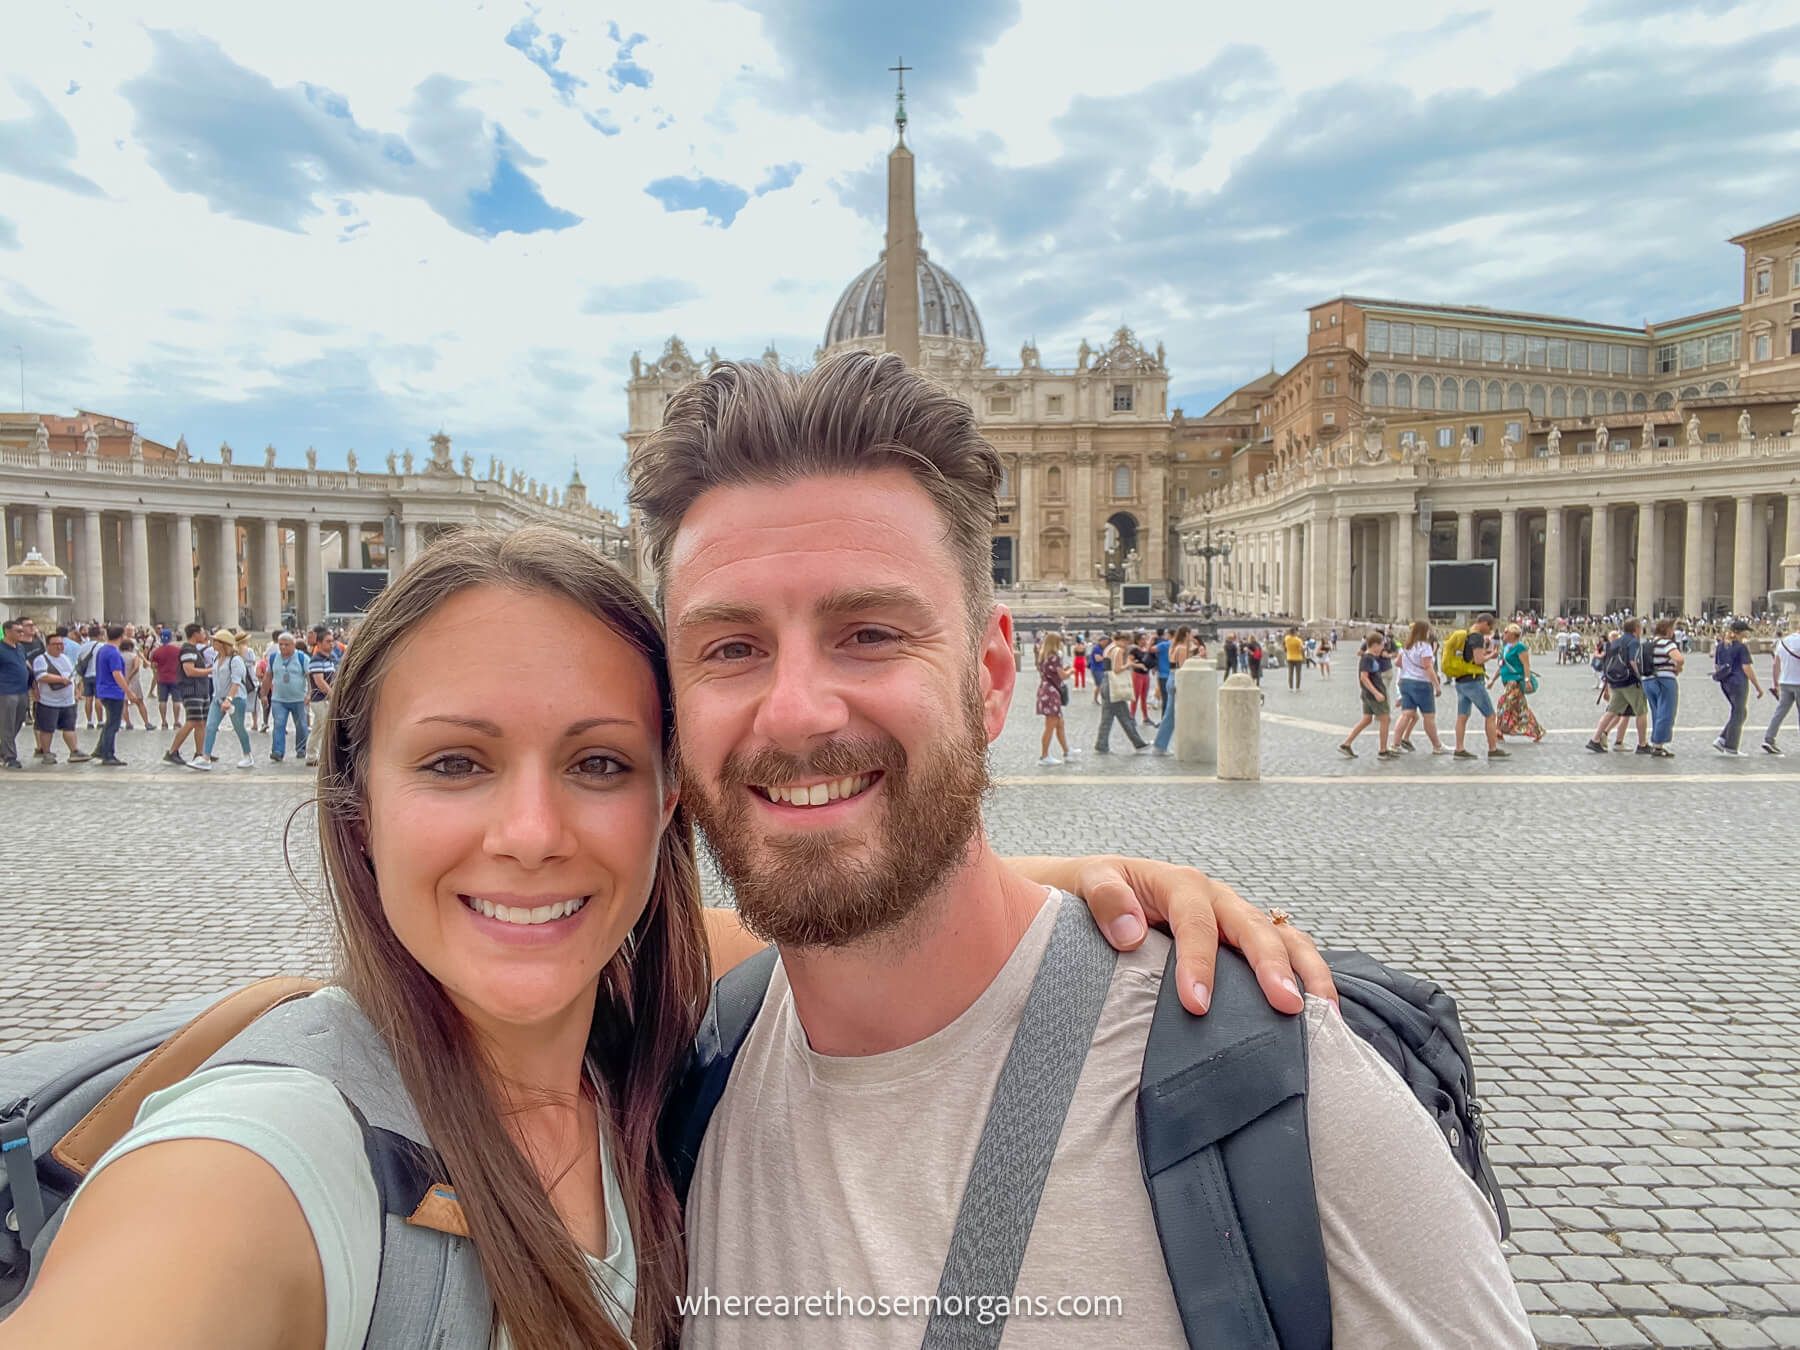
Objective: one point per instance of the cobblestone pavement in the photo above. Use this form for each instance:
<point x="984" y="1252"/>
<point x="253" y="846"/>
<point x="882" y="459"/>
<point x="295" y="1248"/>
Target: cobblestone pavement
<point x="1623" y="935"/>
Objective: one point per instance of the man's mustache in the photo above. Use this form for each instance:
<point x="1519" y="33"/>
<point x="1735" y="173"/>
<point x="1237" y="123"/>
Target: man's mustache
<point x="844" y="757"/>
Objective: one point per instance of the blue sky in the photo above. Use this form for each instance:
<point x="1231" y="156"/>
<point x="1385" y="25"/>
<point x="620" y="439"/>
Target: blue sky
<point x="471" y="215"/>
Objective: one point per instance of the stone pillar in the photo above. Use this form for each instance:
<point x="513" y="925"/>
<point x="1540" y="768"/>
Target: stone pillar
<point x="1645" y="607"/>
<point x="409" y="548"/>
<point x="1792" y="545"/>
<point x="1404" y="603"/>
<point x="1290" y="546"/>
<point x="1694" y="579"/>
<point x="137" y="568"/>
<point x="1509" y="562"/>
<point x="1382" y="556"/>
<point x="1028" y="521"/>
<point x="345" y="556"/>
<point x="181" y="568"/>
<point x="228" y="579"/>
<point x="1197" y="713"/>
<point x="1743" y="581"/>
<point x="46" y="535"/>
<point x="1465" y="535"/>
<point x="1553" y="561"/>
<point x="1318" y="565"/>
<point x="1599" y="559"/>
<point x="1343" y="531"/>
<point x="1240" y="728"/>
<point x="268" y="581"/>
<point x="1082" y="545"/>
<point x="311" y="603"/>
<point x="90" y="581"/>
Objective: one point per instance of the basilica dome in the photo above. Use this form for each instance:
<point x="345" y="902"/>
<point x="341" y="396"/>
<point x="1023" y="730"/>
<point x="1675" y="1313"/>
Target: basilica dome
<point x="945" y="311"/>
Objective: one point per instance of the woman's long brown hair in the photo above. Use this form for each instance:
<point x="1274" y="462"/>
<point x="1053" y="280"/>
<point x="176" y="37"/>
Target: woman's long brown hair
<point x="651" y="995"/>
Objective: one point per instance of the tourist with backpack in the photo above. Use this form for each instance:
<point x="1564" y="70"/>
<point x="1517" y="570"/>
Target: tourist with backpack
<point x="454" y="1144"/>
<point x="1736" y="676"/>
<point x="1784" y="677"/>
<point x="1622" y="673"/>
<point x="1466" y="654"/>
<point x="230" y="689"/>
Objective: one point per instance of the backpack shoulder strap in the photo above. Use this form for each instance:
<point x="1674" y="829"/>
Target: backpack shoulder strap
<point x="737" y="999"/>
<point x="1222" y="1139"/>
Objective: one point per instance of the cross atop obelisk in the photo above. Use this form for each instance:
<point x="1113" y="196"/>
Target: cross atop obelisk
<point x="899" y="72"/>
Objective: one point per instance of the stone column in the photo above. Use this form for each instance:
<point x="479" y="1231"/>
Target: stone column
<point x="1289" y="547"/>
<point x="311" y="602"/>
<point x="181" y="568"/>
<point x="1508" y="589"/>
<point x="1599" y="559"/>
<point x="1553" y="561"/>
<point x="1645" y="608"/>
<point x="1743" y="581"/>
<point x="1026" y="469"/>
<point x="409" y="548"/>
<point x="137" y="568"/>
<point x="268" y="582"/>
<point x="1694" y="579"/>
<point x="1465" y="535"/>
<point x="46" y="535"/>
<point x="90" y="581"/>
<point x="225" y="597"/>
<point x="1405" y="526"/>
<point x="1082" y="568"/>
<point x="1343" y="532"/>
<point x="1382" y="556"/>
<point x="1793" y="529"/>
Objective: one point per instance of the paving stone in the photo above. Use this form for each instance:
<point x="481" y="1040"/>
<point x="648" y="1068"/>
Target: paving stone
<point x="1734" y="1335"/>
<point x="1555" y="1333"/>
<point x="1674" y="1333"/>
<point x="1614" y="1331"/>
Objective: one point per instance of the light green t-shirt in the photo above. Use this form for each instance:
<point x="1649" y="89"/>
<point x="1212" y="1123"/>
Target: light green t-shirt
<point x="297" y="1122"/>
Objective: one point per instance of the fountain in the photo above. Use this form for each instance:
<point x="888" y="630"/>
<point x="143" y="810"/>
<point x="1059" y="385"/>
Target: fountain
<point x="1787" y="597"/>
<point x="37" y="589"/>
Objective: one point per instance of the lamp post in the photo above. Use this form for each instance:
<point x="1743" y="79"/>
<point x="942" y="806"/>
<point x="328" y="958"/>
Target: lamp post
<point x="1203" y="545"/>
<point x="1115" y="569"/>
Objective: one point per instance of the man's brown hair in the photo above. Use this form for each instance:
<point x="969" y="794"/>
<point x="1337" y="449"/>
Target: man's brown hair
<point x="752" y="423"/>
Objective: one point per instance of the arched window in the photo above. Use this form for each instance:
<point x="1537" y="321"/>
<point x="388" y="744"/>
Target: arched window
<point x="1122" y="481"/>
<point x="1578" y="408"/>
<point x="1618" y="402"/>
<point x="1053" y="483"/>
<point x="1665" y="401"/>
<point x="1639" y="403"/>
<point x="1403" y="391"/>
<point x="1515" y="396"/>
<point x="1378" y="389"/>
<point x="1537" y="400"/>
<point x="1472" y="395"/>
<point x="1427" y="392"/>
<point x="1692" y="391"/>
<point x="1493" y="396"/>
<point x="1447" y="396"/>
<point x="1717" y="387"/>
<point x="1559" y="402"/>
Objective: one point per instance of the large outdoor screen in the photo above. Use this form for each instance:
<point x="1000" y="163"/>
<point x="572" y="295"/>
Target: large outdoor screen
<point x="1462" y="585"/>
<point x="352" y="590"/>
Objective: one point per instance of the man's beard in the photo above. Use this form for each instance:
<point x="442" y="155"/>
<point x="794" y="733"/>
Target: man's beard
<point x="804" y="890"/>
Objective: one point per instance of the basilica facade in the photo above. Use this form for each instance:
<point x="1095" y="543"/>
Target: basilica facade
<point x="1085" y="446"/>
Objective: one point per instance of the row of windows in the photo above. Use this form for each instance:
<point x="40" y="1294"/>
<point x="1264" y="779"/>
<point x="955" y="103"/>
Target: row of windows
<point x="1519" y="349"/>
<point x="1695" y="353"/>
<point x="1472" y="396"/>
<point x="1053" y="482"/>
<point x="1762" y="346"/>
<point x="1053" y="403"/>
<point x="1764" y="277"/>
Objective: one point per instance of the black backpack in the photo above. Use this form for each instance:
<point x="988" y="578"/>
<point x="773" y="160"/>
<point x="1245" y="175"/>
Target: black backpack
<point x="1221" y="1132"/>
<point x="1618" y="669"/>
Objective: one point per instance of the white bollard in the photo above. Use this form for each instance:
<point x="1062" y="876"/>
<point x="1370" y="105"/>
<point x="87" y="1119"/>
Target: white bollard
<point x="1240" y="729"/>
<point x="1197" y="713"/>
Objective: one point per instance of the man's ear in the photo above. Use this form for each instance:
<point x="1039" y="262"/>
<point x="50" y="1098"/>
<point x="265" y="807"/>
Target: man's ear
<point x="999" y="671"/>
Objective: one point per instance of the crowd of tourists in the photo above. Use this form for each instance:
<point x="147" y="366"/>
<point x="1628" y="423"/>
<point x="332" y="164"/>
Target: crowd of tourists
<point x="104" y="679"/>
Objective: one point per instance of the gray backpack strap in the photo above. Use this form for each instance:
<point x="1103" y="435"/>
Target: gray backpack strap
<point x="1024" y="1121"/>
<point x="430" y="1290"/>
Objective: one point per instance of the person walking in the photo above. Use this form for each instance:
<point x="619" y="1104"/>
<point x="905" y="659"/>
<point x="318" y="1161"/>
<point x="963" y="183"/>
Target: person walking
<point x="1295" y="651"/>
<point x="1179" y="651"/>
<point x="1419" y="688"/>
<point x="287" y="684"/>
<point x="53" y="682"/>
<point x="230" y="688"/>
<point x="1663" y="661"/>
<point x="1622" y="675"/>
<point x="1736" y="676"/>
<point x="1372" y="694"/>
<point x="321" y="670"/>
<point x="1465" y="660"/>
<point x="1097" y="669"/>
<point x="1516" y="681"/>
<point x="1117" y="696"/>
<point x="1324" y="657"/>
<point x="1254" y="655"/>
<point x="196" y="694"/>
<point x="1163" y="667"/>
<point x="1052" y="697"/>
<point x="109" y="688"/>
<point x="1078" y="660"/>
<point x="165" y="658"/>
<point x="15" y="691"/>
<point x="135" y="666"/>
<point x="1784" y="678"/>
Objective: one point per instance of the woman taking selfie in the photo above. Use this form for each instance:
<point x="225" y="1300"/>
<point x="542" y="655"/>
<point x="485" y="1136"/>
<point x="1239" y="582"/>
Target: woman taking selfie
<point x="521" y="967"/>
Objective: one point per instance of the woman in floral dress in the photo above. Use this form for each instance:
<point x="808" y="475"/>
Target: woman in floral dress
<point x="1516" y="717"/>
<point x="1050" y="697"/>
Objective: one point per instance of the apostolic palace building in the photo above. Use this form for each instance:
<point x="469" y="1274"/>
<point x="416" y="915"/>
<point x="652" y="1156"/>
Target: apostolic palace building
<point x="1654" y="469"/>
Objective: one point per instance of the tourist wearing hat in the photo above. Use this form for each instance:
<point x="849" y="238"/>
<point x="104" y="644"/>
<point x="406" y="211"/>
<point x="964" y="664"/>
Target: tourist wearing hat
<point x="1736" y="677"/>
<point x="230" y="691"/>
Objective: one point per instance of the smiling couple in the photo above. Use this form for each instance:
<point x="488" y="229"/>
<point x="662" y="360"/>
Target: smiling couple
<point x="524" y="963"/>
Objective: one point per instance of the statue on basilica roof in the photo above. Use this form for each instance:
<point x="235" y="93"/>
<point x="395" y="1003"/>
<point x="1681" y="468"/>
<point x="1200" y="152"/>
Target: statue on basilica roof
<point x="268" y="456"/>
<point x="224" y="452"/>
<point x="1744" y="425"/>
<point x="40" y="440"/>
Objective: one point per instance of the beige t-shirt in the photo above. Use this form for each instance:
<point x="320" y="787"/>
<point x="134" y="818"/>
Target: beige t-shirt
<point x="838" y="1180"/>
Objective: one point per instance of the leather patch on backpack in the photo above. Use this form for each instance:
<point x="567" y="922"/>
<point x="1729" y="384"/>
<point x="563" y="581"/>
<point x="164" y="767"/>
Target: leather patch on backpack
<point x="441" y="1211"/>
